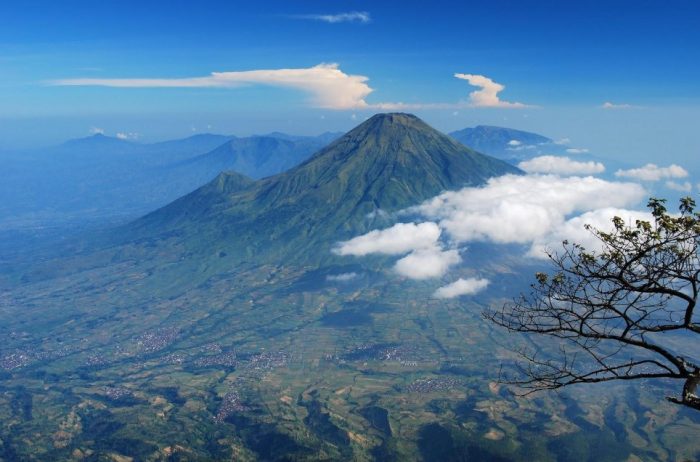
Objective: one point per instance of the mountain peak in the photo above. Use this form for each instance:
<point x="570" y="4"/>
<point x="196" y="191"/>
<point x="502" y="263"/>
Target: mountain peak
<point x="390" y="119"/>
<point x="387" y="163"/>
<point x="398" y="117"/>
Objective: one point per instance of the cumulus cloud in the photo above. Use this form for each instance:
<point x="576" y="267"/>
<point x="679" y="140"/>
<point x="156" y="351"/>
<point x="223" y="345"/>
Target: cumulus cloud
<point x="652" y="172"/>
<point x="560" y="166"/>
<point x="97" y="131"/>
<point x="399" y="239"/>
<point x="487" y="94"/>
<point x="351" y="16"/>
<point x="562" y="141"/>
<point x="342" y="277"/>
<point x="427" y="263"/>
<point x="460" y="287"/>
<point x="328" y="86"/>
<point x="522" y="209"/>
<point x="577" y="150"/>
<point x="685" y="187"/>
<point x="514" y="143"/>
<point x="535" y="210"/>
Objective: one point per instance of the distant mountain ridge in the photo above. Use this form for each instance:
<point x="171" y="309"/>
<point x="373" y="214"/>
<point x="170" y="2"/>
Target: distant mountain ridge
<point x="261" y="155"/>
<point x="102" y="177"/>
<point x="507" y="144"/>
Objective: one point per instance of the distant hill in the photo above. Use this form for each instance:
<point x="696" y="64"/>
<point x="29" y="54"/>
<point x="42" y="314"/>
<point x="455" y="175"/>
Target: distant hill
<point x="260" y="156"/>
<point x="101" y="178"/>
<point x="387" y="163"/>
<point x="506" y="143"/>
<point x="186" y="147"/>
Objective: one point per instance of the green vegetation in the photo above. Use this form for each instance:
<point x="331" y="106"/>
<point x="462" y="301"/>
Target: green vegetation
<point x="211" y="330"/>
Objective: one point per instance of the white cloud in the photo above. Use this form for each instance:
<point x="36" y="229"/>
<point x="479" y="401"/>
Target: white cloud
<point x="560" y="166"/>
<point x="97" y="131"/>
<point x="538" y="211"/>
<point x="514" y="143"/>
<point x="351" y="16"/>
<point x="461" y="287"/>
<point x="652" y="172"/>
<point x="522" y="209"/>
<point x="574" y="229"/>
<point x="127" y="135"/>
<point x="609" y="105"/>
<point x="399" y="239"/>
<point x="685" y="187"/>
<point x="328" y="86"/>
<point x="577" y="150"/>
<point x="427" y="263"/>
<point x="342" y="277"/>
<point x="487" y="95"/>
<point x="562" y="141"/>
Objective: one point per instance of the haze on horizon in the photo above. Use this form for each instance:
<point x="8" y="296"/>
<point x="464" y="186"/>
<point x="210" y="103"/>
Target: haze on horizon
<point x="617" y="79"/>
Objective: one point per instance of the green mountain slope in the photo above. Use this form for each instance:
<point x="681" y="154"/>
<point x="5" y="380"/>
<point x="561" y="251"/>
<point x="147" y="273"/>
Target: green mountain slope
<point x="389" y="162"/>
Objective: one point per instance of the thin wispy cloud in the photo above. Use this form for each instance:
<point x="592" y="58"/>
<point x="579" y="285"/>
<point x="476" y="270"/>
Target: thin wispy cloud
<point x="128" y="135"/>
<point x="328" y="86"/>
<point x="684" y="187"/>
<point x="487" y="94"/>
<point x="342" y="277"/>
<point x="350" y="16"/>
<point x="609" y="105"/>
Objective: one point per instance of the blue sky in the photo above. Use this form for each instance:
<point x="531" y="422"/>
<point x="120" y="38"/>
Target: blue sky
<point x="562" y="60"/>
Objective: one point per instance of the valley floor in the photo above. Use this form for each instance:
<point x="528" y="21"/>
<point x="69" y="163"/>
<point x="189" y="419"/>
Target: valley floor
<point x="187" y="362"/>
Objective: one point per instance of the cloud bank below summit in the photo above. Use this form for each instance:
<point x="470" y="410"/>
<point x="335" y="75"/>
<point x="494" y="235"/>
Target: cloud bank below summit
<point x="536" y="211"/>
<point x="560" y="166"/>
<point x="523" y="209"/>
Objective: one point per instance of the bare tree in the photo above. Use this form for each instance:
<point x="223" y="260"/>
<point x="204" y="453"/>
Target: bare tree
<point x="622" y="312"/>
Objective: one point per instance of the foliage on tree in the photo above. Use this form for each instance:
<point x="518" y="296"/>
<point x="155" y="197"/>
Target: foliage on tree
<point x="623" y="311"/>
